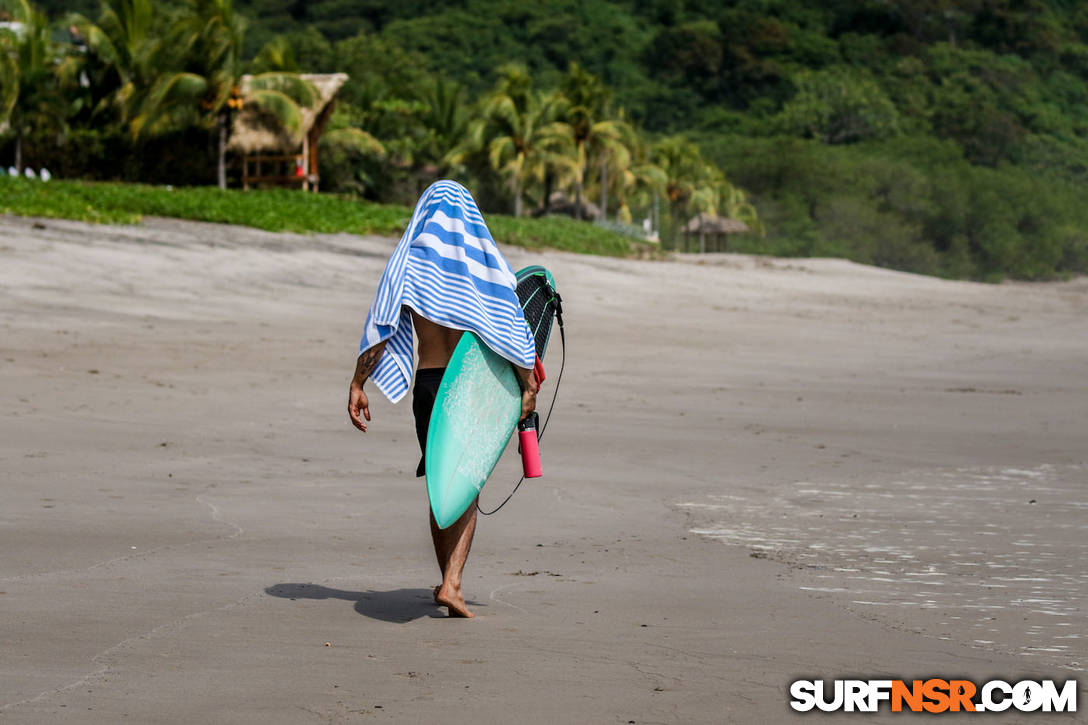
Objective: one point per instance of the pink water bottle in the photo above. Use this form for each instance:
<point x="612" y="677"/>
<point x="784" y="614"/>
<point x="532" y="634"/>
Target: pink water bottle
<point x="530" y="451"/>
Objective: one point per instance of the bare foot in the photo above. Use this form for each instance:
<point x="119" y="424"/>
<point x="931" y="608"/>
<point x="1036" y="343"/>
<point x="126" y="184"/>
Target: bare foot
<point x="453" y="599"/>
<point x="435" y="594"/>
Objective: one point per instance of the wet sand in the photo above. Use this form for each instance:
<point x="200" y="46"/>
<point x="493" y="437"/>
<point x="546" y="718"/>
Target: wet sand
<point x="758" y="470"/>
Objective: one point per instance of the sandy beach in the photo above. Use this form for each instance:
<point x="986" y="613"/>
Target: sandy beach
<point x="757" y="470"/>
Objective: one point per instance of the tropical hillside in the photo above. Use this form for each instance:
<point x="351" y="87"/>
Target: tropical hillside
<point x="940" y="137"/>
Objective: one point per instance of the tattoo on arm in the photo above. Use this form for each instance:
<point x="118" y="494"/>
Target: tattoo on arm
<point x="367" y="361"/>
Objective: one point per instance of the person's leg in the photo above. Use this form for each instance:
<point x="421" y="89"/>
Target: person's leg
<point x="426" y="387"/>
<point x="440" y="551"/>
<point x="451" y="546"/>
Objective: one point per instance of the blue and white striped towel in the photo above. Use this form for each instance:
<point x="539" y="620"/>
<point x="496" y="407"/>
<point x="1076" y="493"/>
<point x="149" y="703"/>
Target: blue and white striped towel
<point x="447" y="268"/>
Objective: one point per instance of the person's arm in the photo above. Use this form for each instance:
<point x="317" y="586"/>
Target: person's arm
<point x="357" y="400"/>
<point x="528" y="390"/>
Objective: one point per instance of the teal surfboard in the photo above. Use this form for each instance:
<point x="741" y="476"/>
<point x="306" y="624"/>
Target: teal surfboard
<point x="477" y="407"/>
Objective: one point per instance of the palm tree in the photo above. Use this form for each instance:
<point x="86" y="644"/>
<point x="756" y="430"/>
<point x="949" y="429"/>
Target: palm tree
<point x="612" y="149"/>
<point x="210" y="39"/>
<point x="125" y="43"/>
<point x="594" y="131"/>
<point x="685" y="171"/>
<point x="9" y="75"/>
<point x="690" y="182"/>
<point x="733" y="203"/>
<point x="694" y="185"/>
<point x="446" y="123"/>
<point x="30" y="99"/>
<point x="525" y="140"/>
<point x="640" y="181"/>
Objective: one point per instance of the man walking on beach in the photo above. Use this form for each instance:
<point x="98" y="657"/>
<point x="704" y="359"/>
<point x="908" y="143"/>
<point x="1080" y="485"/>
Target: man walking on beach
<point x="446" y="275"/>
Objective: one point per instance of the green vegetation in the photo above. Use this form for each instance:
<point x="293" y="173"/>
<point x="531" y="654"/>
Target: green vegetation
<point x="276" y="210"/>
<point x="908" y="204"/>
<point x="557" y="232"/>
<point x="59" y="200"/>
<point x="939" y="136"/>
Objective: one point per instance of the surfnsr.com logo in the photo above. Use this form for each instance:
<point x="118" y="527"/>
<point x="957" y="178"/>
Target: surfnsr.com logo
<point x="933" y="695"/>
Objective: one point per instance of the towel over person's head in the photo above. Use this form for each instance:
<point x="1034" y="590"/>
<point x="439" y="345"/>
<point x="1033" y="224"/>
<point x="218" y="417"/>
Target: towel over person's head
<point x="448" y="269"/>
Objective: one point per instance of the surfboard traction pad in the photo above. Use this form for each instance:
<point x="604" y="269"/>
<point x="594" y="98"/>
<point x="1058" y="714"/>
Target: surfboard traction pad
<point x="481" y="399"/>
<point x="536" y="293"/>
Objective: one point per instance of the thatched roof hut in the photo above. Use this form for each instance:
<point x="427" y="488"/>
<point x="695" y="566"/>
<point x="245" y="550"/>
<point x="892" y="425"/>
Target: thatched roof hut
<point x="560" y="203"/>
<point x="264" y="143"/>
<point x="716" y="227"/>
<point x="705" y="223"/>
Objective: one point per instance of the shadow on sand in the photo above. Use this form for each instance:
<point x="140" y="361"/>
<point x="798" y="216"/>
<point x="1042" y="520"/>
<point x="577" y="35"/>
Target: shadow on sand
<point x="397" y="605"/>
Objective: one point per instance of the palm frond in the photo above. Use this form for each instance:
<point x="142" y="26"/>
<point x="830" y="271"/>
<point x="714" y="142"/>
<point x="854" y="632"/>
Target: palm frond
<point x="499" y="148"/>
<point x="279" y="105"/>
<point x="169" y="98"/>
<point x="277" y="56"/>
<point x="357" y="140"/>
<point x="291" y="85"/>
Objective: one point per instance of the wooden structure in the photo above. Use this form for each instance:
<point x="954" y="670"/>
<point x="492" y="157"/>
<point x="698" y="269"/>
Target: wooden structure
<point x="270" y="155"/>
<point x="717" y="228"/>
<point x="560" y="203"/>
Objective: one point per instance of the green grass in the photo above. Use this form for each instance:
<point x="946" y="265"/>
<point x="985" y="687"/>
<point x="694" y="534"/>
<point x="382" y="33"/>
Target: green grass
<point x="559" y="232"/>
<point x="277" y="211"/>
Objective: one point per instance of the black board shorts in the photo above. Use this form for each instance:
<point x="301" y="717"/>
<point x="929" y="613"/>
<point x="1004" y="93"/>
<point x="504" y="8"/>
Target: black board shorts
<point x="423" y="396"/>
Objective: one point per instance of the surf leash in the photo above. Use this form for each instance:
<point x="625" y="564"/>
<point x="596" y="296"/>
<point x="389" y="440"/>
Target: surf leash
<point x="555" y="393"/>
